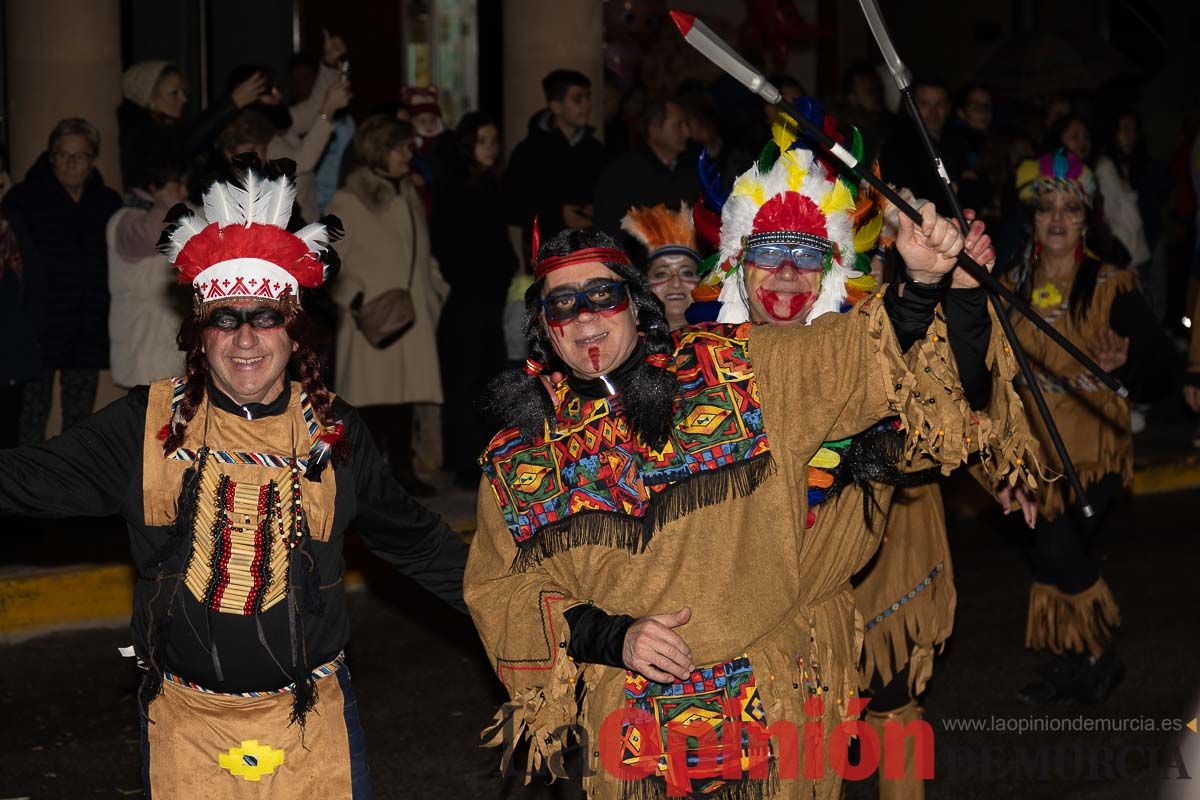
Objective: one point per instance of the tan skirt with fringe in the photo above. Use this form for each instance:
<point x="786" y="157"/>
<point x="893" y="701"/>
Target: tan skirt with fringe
<point x="1061" y="622"/>
<point x="906" y="594"/>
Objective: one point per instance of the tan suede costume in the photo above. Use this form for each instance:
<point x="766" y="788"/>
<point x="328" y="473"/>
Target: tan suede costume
<point x="1094" y="424"/>
<point x="759" y="585"/>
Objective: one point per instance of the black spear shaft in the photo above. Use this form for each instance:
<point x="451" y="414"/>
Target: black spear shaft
<point x="1027" y="374"/>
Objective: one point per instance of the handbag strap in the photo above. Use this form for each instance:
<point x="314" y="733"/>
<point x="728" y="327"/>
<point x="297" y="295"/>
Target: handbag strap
<point x="412" y="261"/>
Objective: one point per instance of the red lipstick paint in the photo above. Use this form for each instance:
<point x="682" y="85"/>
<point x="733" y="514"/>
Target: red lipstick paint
<point x="795" y="304"/>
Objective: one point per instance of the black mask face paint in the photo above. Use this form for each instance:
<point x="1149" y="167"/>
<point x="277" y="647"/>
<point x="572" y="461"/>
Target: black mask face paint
<point x="230" y="319"/>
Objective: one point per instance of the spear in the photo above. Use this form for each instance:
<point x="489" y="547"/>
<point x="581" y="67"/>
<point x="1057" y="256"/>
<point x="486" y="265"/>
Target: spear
<point x="903" y="79"/>
<point x="716" y="50"/>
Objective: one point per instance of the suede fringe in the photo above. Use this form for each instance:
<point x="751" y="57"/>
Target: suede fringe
<point x="1061" y="622"/>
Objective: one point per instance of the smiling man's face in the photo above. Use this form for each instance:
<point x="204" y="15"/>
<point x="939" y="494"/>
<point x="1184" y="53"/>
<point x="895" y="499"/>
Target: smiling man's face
<point x="247" y="347"/>
<point x="593" y="343"/>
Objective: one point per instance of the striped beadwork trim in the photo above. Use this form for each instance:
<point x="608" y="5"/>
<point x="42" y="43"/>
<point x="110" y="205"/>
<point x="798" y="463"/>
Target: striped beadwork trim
<point x="247" y="459"/>
<point x="896" y="606"/>
<point x="322" y="671"/>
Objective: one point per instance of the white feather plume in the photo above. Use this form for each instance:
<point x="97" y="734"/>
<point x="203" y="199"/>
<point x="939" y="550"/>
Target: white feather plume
<point x="186" y="227"/>
<point x="258" y="198"/>
<point x="282" y="196"/>
<point x="225" y="204"/>
<point x="315" y="235"/>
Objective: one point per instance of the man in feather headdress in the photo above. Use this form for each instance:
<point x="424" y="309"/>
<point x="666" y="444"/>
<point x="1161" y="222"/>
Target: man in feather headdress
<point x="780" y="252"/>
<point x="238" y="481"/>
<point x="642" y="577"/>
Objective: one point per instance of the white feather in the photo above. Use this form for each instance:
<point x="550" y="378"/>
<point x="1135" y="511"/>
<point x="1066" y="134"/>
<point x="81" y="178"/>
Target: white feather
<point x="733" y="300"/>
<point x="224" y="204"/>
<point x="282" y="197"/>
<point x="185" y="228"/>
<point x="253" y="209"/>
<point x="315" y="235"/>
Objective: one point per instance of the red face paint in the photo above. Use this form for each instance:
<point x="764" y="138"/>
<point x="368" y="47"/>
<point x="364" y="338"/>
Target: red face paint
<point x="594" y="355"/>
<point x="773" y="303"/>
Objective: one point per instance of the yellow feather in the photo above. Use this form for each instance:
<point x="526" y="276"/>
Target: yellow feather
<point x="839" y="199"/>
<point x="864" y="283"/>
<point x="790" y="161"/>
<point x="825" y="459"/>
<point x="782" y="133"/>
<point x="868" y="234"/>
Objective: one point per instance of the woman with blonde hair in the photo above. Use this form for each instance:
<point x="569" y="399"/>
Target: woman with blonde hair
<point x="386" y="248"/>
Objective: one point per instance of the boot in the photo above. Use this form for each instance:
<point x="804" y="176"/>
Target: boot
<point x="1097" y="677"/>
<point x="1056" y="676"/>
<point x="908" y="786"/>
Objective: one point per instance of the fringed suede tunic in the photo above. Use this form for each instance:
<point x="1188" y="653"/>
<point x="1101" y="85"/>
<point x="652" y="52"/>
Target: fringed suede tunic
<point x="773" y="631"/>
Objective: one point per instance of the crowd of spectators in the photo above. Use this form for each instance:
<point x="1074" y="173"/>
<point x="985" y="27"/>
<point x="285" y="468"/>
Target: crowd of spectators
<point x="433" y="208"/>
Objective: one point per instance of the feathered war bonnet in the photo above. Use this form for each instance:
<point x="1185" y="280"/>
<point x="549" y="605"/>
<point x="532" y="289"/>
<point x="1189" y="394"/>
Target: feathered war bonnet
<point x="793" y="196"/>
<point x="241" y="248"/>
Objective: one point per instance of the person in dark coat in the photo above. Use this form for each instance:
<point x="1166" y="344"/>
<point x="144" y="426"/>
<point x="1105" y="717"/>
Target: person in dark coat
<point x="904" y="160"/>
<point x="59" y="213"/>
<point x="658" y="171"/>
<point x="471" y="244"/>
<point x="150" y="121"/>
<point x="553" y="172"/>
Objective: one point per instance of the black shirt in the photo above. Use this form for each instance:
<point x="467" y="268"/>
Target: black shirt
<point x="95" y="469"/>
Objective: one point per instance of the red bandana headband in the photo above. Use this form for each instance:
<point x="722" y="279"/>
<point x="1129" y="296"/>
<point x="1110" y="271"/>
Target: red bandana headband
<point x="547" y="265"/>
<point x="584" y="256"/>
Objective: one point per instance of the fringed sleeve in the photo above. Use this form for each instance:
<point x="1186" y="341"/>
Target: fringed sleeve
<point x="845" y="372"/>
<point x="519" y="616"/>
<point x="1010" y="452"/>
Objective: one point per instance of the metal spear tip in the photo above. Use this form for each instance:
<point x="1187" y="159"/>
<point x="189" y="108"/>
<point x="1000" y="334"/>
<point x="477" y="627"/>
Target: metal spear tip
<point x="683" y="20"/>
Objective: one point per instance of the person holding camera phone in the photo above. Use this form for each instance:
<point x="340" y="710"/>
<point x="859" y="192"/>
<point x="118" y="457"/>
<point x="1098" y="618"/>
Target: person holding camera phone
<point x="303" y="130"/>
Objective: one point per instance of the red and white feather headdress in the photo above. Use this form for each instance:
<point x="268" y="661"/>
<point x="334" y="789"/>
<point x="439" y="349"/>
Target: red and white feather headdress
<point x="241" y="247"/>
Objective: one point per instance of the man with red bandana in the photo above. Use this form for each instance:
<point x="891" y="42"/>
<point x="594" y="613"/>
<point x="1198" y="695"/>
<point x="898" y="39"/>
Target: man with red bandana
<point x="642" y="576"/>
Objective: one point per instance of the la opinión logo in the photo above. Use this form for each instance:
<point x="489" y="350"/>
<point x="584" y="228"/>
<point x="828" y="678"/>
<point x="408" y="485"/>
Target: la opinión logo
<point x="693" y="749"/>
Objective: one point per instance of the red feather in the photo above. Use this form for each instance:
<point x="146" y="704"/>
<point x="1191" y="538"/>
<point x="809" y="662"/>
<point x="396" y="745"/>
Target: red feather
<point x="790" y="211"/>
<point x="270" y="243"/>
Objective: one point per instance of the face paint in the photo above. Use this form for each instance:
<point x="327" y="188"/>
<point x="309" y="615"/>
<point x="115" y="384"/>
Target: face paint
<point x="594" y="355"/>
<point x="780" y="311"/>
<point x="617" y="309"/>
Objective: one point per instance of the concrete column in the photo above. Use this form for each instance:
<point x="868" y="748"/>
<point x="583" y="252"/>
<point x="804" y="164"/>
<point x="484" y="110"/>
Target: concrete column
<point x="541" y="35"/>
<point x="64" y="60"/>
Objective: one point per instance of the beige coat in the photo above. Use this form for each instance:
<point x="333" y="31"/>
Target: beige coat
<point x="377" y="255"/>
<point x="147" y="306"/>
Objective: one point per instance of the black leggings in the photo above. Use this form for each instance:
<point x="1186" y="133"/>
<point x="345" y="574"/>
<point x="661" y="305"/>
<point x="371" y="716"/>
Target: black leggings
<point x="77" y="394"/>
<point x="890" y="696"/>
<point x="1060" y="554"/>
